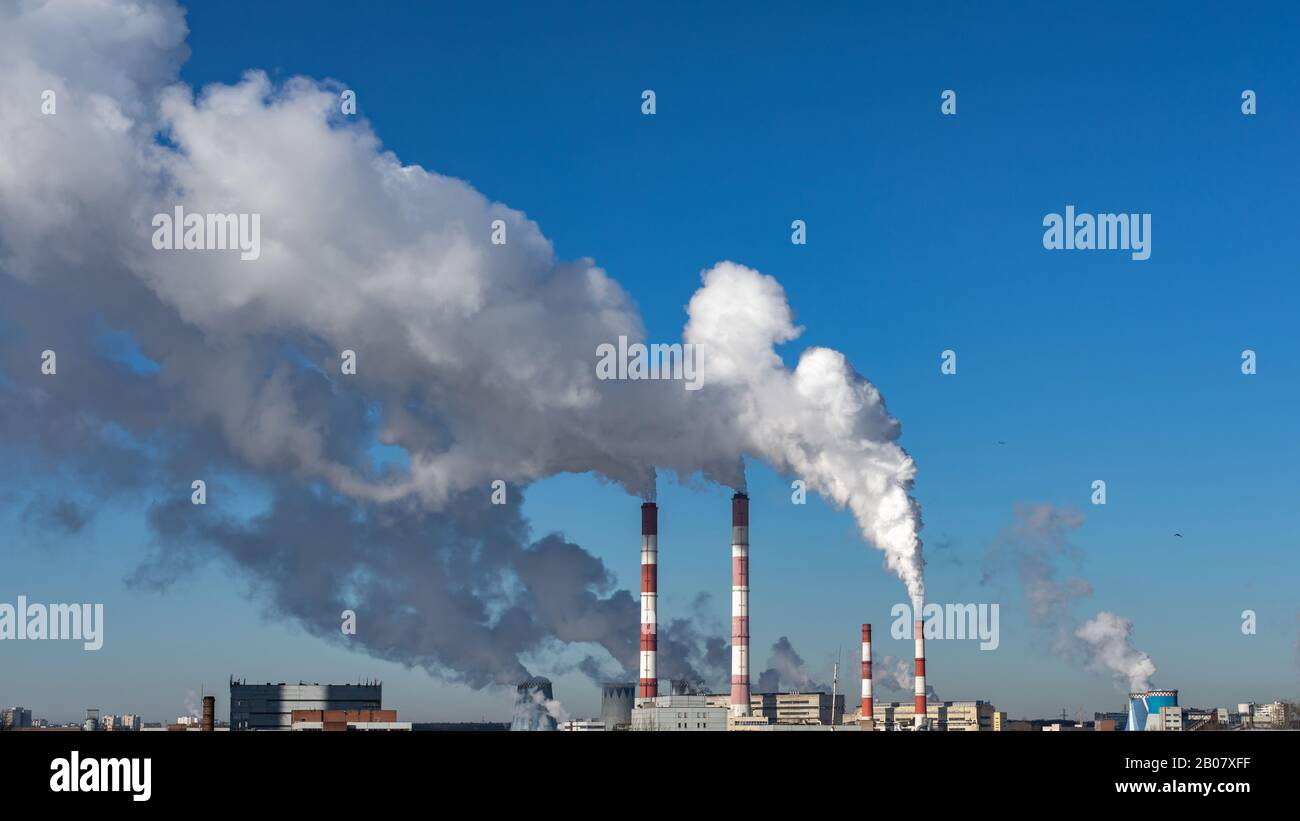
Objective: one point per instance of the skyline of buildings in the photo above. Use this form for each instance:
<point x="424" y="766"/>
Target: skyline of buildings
<point x="282" y="706"/>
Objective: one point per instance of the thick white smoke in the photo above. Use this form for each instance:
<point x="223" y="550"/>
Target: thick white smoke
<point x="821" y="422"/>
<point x="480" y="358"/>
<point x="1108" y="638"/>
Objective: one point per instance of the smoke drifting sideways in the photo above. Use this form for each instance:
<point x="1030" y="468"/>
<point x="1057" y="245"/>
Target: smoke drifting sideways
<point x="475" y="361"/>
<point x="1035" y="548"/>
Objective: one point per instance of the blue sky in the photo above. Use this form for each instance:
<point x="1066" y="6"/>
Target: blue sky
<point x="924" y="234"/>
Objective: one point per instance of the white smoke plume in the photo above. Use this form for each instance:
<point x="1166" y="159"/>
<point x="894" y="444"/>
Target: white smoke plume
<point x="551" y="706"/>
<point x="822" y="421"/>
<point x="1035" y="547"/>
<point x="476" y="360"/>
<point x="1108" y="638"/>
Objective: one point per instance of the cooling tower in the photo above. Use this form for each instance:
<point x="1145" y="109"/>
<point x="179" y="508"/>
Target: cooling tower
<point x="531" y="700"/>
<point x="1161" y="698"/>
<point x="1137" y="712"/>
<point x="1144" y="708"/>
<point x="616" y="700"/>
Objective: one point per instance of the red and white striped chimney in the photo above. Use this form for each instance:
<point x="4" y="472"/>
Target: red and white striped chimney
<point x="649" y="685"/>
<point x="868" y="705"/>
<point x="740" y="605"/>
<point x="920" y="708"/>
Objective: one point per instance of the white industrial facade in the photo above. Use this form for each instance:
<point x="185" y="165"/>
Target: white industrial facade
<point x="678" y="713"/>
<point x="270" y="706"/>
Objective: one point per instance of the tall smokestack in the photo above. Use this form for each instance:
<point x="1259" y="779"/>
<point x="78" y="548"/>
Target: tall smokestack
<point x="649" y="685"/>
<point x="920" y="710"/>
<point x="740" y="605"/>
<point x="868" y="706"/>
<point x="209" y="714"/>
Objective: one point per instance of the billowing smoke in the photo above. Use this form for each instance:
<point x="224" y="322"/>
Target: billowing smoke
<point x="1110" y="649"/>
<point x="475" y="361"/>
<point x="1035" y="547"/>
<point x="822" y="421"/>
<point x="462" y="592"/>
<point x="786" y="671"/>
<point x="691" y="648"/>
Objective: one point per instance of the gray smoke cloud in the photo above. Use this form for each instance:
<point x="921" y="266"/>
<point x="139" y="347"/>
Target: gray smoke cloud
<point x="894" y="673"/>
<point x="59" y="515"/>
<point x="475" y="361"/>
<point x="1035" y="547"/>
<point x="691" y="648"/>
<point x="786" y="671"/>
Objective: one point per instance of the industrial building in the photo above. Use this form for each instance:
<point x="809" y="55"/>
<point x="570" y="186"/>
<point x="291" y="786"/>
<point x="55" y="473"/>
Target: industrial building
<point x="681" y="713"/>
<point x="946" y="716"/>
<point x="271" y="706"/>
<point x="582" y="725"/>
<point x="699" y="713"/>
<point x="1273" y="716"/>
<point x="1118" y="721"/>
<point x="789" y="708"/>
<point x="348" y="720"/>
<point x="1170" y="719"/>
<point x="16" y="718"/>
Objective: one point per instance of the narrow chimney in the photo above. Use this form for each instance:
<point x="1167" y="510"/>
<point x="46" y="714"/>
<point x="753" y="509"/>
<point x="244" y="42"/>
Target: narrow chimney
<point x="740" y="605"/>
<point x="209" y="714"/>
<point x="649" y="685"/>
<point x="920" y="708"/>
<point x="868" y="705"/>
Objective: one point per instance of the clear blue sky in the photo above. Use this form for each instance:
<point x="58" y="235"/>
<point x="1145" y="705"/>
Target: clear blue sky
<point x="924" y="234"/>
